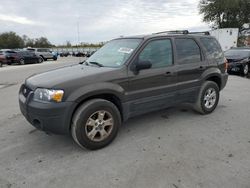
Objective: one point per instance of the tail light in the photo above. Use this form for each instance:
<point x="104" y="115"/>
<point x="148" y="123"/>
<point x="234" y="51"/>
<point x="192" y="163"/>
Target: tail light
<point x="225" y="64"/>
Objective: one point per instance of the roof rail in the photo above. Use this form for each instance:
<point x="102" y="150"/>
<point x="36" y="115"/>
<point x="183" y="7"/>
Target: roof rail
<point x="202" y="32"/>
<point x="174" y="32"/>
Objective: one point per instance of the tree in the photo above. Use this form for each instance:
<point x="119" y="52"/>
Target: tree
<point x="42" y="42"/>
<point x="225" y="13"/>
<point x="10" y="40"/>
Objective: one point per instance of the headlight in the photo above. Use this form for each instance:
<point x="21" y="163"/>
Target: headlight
<point x="48" y="95"/>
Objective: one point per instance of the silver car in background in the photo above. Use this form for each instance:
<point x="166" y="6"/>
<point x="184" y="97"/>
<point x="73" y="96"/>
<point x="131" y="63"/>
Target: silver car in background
<point x="44" y="53"/>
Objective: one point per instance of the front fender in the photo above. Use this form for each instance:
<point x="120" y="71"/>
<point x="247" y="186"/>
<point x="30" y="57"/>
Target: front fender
<point x="96" y="89"/>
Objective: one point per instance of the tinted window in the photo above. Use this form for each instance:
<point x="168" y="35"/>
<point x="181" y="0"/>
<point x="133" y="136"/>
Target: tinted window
<point x="187" y="51"/>
<point x="158" y="52"/>
<point x="31" y="49"/>
<point x="43" y="50"/>
<point x="10" y="52"/>
<point x="212" y="47"/>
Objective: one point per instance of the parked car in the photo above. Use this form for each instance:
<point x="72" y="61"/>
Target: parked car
<point x="90" y="53"/>
<point x="238" y="60"/>
<point x="64" y="54"/>
<point x="127" y="77"/>
<point x="27" y="57"/>
<point x="45" y="53"/>
<point x="7" y="56"/>
<point x="2" y="59"/>
<point x="79" y="54"/>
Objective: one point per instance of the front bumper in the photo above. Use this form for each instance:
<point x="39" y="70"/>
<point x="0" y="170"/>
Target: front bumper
<point x="235" y="67"/>
<point x="49" y="117"/>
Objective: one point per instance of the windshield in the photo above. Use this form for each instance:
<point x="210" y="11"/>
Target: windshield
<point x="115" y="53"/>
<point x="238" y="53"/>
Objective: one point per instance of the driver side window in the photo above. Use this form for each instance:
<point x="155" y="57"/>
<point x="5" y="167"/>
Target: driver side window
<point x="158" y="52"/>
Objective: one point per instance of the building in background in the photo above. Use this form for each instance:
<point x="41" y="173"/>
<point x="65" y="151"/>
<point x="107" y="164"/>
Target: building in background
<point x="227" y="37"/>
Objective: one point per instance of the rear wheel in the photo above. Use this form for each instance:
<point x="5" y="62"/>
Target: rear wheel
<point x="95" y="124"/>
<point x="208" y="98"/>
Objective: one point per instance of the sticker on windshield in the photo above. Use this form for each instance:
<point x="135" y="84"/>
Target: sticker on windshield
<point x="125" y="50"/>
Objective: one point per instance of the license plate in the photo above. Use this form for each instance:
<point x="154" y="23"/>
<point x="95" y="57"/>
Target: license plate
<point x="235" y="69"/>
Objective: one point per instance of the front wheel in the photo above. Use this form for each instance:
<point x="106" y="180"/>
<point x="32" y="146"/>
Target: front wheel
<point x="208" y="98"/>
<point x="21" y="62"/>
<point x="95" y="124"/>
<point x="245" y="69"/>
<point x="40" y="60"/>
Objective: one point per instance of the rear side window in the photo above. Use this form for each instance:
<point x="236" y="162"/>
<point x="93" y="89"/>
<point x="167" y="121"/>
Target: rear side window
<point x="188" y="51"/>
<point x="212" y="47"/>
<point x="158" y="52"/>
<point x="43" y="50"/>
<point x="30" y="49"/>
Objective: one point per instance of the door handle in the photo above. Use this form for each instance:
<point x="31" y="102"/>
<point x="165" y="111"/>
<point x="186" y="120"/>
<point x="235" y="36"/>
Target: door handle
<point x="202" y="67"/>
<point x="168" y="73"/>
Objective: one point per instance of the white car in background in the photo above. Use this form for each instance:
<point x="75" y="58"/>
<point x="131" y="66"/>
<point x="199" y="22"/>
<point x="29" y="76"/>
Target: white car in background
<point x="44" y="53"/>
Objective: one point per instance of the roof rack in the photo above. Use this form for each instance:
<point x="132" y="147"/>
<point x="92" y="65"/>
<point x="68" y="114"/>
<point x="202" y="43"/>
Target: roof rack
<point x="202" y="32"/>
<point x="185" y="32"/>
<point x="174" y="32"/>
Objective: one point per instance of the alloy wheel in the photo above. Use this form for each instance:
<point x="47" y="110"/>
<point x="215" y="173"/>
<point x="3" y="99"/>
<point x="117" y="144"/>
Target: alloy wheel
<point x="99" y="126"/>
<point x="210" y="98"/>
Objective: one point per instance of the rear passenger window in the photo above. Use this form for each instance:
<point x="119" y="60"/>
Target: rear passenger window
<point x="188" y="51"/>
<point x="212" y="47"/>
<point x="158" y="52"/>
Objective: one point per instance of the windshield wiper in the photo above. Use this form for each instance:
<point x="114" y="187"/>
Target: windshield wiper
<point x="95" y="63"/>
<point x="86" y="63"/>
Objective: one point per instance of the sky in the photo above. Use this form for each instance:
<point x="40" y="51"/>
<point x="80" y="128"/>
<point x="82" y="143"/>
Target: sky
<point x="98" y="20"/>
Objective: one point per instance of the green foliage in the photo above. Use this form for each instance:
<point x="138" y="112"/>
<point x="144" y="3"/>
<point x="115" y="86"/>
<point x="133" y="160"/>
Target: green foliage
<point x="10" y="40"/>
<point x="225" y="13"/>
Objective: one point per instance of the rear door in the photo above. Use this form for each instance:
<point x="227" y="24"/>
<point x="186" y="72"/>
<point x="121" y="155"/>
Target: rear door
<point x="154" y="88"/>
<point x="191" y="65"/>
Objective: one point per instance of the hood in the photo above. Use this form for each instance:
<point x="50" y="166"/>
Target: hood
<point x="235" y="58"/>
<point x="72" y="73"/>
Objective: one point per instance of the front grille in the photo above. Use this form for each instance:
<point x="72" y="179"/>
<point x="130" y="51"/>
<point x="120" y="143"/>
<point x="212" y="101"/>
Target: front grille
<point x="26" y="91"/>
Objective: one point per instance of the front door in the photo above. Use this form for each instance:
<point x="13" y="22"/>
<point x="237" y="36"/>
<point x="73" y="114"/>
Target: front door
<point x="154" y="88"/>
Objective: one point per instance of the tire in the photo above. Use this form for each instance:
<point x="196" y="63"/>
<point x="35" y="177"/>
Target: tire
<point x="54" y="58"/>
<point x="40" y="60"/>
<point x="96" y="112"/>
<point x="245" y="69"/>
<point x="207" y="105"/>
<point x="21" y="62"/>
<point x="44" y="59"/>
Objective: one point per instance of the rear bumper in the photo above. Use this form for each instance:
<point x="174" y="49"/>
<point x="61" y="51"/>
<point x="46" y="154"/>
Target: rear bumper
<point x="49" y="117"/>
<point x="224" y="79"/>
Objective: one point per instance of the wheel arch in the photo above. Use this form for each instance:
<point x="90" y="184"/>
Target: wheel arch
<point x="216" y="79"/>
<point x="213" y="74"/>
<point x="109" y="96"/>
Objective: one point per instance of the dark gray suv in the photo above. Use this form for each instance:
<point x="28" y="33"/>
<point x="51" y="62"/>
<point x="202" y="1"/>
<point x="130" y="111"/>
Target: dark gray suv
<point x="127" y="77"/>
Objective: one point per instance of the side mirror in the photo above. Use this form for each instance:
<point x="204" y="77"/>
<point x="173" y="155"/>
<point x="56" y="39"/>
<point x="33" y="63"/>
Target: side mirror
<point x="143" y="65"/>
